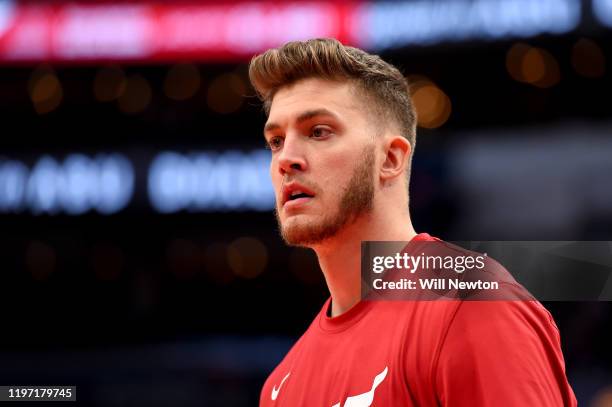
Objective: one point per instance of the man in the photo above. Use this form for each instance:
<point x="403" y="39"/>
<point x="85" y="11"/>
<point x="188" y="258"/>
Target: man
<point x="341" y="128"/>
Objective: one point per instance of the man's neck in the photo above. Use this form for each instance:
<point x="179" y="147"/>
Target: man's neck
<point x="340" y="256"/>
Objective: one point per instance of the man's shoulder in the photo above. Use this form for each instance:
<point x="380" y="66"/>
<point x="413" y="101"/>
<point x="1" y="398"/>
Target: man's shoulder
<point x="428" y="325"/>
<point x="513" y="316"/>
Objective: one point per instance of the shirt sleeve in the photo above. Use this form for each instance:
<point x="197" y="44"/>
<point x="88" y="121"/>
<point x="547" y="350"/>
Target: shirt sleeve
<point x="502" y="353"/>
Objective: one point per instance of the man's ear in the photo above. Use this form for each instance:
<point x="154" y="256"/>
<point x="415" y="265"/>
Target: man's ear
<point x="397" y="151"/>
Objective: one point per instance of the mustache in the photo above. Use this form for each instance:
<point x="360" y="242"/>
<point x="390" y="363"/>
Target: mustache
<point x="307" y="184"/>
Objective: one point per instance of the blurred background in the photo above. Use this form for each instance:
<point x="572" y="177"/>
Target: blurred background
<point x="139" y="255"/>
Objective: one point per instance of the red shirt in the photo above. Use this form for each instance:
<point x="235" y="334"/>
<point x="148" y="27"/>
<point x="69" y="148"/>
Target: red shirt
<point x="425" y="353"/>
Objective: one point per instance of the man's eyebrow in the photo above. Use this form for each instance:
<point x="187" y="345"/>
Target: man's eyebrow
<point x="307" y="115"/>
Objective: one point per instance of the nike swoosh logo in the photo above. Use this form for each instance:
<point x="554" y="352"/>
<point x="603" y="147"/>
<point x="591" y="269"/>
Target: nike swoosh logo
<point x="365" y="399"/>
<point x="275" y="390"/>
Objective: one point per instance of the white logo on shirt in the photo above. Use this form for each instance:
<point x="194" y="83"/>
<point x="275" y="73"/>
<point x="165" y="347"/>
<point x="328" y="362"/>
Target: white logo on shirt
<point x="275" y="390"/>
<point x="365" y="399"/>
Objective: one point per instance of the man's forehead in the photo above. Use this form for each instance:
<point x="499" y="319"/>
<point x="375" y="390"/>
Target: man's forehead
<point x="310" y="96"/>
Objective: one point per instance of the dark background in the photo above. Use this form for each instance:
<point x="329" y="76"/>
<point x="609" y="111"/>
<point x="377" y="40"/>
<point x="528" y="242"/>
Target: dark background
<point x="144" y="308"/>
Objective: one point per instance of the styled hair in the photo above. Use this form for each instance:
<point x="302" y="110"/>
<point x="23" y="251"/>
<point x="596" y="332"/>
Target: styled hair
<point x="383" y="86"/>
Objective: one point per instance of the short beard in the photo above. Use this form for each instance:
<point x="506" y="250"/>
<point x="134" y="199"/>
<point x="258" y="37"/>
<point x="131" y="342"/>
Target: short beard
<point x="357" y="199"/>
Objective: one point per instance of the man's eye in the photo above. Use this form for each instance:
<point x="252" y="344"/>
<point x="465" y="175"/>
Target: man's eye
<point x="275" y="143"/>
<point x="320" y="132"/>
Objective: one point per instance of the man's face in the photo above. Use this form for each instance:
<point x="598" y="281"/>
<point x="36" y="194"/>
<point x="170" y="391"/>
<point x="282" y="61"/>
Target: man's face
<point x="323" y="158"/>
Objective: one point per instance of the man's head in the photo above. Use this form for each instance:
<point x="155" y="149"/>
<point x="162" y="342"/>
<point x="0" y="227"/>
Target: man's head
<point x="341" y="127"/>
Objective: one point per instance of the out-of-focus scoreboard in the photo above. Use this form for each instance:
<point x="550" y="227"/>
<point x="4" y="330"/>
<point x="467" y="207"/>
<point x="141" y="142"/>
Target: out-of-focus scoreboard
<point x="203" y="181"/>
<point x="230" y="31"/>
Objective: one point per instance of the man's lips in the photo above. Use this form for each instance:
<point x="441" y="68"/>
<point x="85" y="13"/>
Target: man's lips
<point x="296" y="203"/>
<point x="294" y="194"/>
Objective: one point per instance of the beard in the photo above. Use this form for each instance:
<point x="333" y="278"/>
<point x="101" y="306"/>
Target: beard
<point x="357" y="199"/>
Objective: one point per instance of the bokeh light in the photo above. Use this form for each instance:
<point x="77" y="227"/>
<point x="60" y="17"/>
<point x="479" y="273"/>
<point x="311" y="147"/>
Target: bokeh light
<point x="603" y="398"/>
<point x="532" y="65"/>
<point x="226" y="93"/>
<point x="109" y="83"/>
<point x="182" y="81"/>
<point x="45" y="89"/>
<point x="432" y="105"/>
<point x="247" y="257"/>
<point x="588" y="59"/>
<point x="514" y="58"/>
<point x="137" y="95"/>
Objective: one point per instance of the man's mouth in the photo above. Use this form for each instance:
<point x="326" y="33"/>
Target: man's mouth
<point x="298" y="194"/>
<point x="295" y="194"/>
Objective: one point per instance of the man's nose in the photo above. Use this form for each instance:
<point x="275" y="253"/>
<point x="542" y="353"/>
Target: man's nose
<point x="291" y="158"/>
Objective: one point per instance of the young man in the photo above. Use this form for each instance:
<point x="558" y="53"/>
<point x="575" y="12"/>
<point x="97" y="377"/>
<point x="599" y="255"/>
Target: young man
<point x="341" y="127"/>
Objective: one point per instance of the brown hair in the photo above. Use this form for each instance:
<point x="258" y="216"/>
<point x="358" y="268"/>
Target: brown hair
<point x="380" y="82"/>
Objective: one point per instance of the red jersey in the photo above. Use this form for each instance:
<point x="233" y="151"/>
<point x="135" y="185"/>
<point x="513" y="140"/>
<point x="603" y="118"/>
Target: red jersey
<point x="425" y="353"/>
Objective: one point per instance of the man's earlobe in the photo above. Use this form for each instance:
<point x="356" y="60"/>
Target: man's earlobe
<point x="397" y="154"/>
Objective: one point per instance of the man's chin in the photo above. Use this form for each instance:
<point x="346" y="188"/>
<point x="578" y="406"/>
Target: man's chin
<point x="306" y="235"/>
<point x="298" y="236"/>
